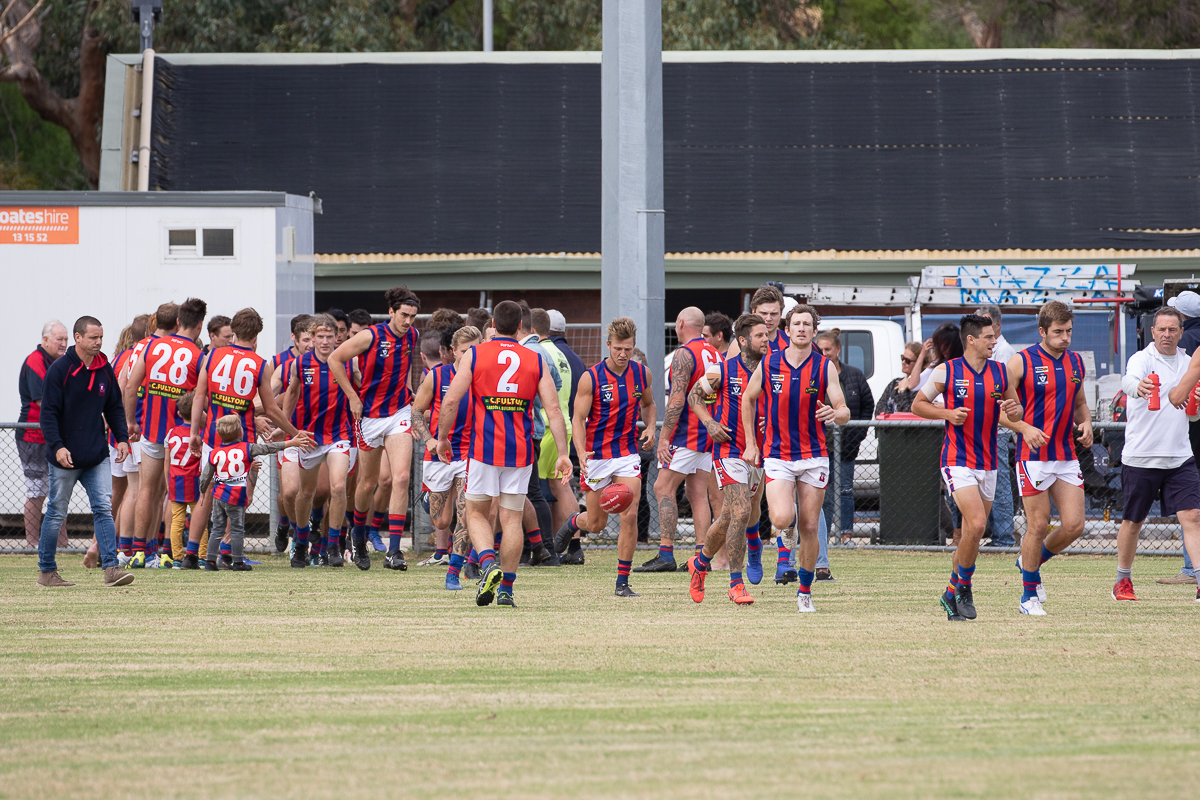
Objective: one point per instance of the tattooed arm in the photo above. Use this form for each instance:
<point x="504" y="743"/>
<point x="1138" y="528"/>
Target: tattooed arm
<point x="681" y="372"/>
<point x="696" y="402"/>
<point x="421" y="405"/>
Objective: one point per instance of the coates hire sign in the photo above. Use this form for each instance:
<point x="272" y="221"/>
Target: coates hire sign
<point x="40" y="225"/>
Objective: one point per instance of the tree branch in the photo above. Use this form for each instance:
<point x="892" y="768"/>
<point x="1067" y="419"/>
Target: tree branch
<point x="13" y="31"/>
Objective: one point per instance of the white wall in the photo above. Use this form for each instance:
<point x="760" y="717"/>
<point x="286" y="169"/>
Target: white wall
<point x="120" y="269"/>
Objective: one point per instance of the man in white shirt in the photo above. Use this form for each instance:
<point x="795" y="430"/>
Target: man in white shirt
<point x="1157" y="459"/>
<point x="1002" y="509"/>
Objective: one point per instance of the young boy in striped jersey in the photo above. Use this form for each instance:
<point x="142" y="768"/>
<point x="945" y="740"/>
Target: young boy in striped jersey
<point x="226" y="471"/>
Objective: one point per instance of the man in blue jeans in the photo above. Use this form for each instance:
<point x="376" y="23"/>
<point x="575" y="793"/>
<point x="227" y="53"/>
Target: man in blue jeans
<point x="80" y="392"/>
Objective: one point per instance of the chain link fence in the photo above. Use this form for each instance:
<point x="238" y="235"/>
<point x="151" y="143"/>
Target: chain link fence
<point x="890" y="496"/>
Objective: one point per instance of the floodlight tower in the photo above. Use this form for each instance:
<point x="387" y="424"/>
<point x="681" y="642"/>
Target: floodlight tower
<point x="632" y="281"/>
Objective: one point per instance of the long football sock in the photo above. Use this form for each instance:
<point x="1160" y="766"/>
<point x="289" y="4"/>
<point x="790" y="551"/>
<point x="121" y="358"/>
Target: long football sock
<point x="318" y="514"/>
<point x="785" y="555"/>
<point x="806" y="579"/>
<point x="754" y="543"/>
<point x="395" y="531"/>
<point x="127" y="545"/>
<point x="623" y="572"/>
<point x="473" y="557"/>
<point x="507" y="580"/>
<point x="703" y="562"/>
<point x="283" y="521"/>
<point x="666" y="552"/>
<point x="139" y="545"/>
<point x="953" y="587"/>
<point x="1046" y="555"/>
<point x="964" y="575"/>
<point x="441" y="552"/>
<point x="533" y="537"/>
<point x="485" y="558"/>
<point x="333" y="540"/>
<point x="734" y="579"/>
<point x="193" y="548"/>
<point x="359" y="526"/>
<point x="496" y="538"/>
<point x="1029" y="581"/>
<point x="456" y="565"/>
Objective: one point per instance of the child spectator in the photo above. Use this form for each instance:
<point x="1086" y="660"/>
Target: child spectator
<point x="227" y="470"/>
<point x="183" y="482"/>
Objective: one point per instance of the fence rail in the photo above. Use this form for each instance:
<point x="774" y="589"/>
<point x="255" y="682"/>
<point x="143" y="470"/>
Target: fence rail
<point x="889" y="497"/>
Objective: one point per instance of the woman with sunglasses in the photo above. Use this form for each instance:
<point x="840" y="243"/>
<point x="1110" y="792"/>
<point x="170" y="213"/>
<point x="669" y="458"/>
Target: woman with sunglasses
<point x="896" y="398"/>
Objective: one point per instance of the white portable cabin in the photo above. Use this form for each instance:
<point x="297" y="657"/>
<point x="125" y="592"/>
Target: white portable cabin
<point x="114" y="255"/>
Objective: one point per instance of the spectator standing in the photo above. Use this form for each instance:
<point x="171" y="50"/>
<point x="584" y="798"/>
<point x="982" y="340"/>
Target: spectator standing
<point x="560" y="495"/>
<point x="895" y="399"/>
<point x="1188" y="304"/>
<point x="1157" y="460"/>
<point x="1002" y="508"/>
<point x="539" y="554"/>
<point x="31" y="444"/>
<point x="558" y="336"/>
<point x="861" y="405"/>
<point x="79" y="395"/>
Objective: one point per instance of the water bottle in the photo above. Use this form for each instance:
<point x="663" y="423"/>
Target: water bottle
<point x="1152" y="402"/>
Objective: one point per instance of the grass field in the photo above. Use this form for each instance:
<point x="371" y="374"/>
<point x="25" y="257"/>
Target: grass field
<point x="336" y="683"/>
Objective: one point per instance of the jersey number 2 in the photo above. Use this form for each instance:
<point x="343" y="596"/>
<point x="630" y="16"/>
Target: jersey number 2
<point x="513" y="360"/>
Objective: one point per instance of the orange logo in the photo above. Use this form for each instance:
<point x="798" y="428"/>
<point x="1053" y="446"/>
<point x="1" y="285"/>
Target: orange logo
<point x="39" y="225"/>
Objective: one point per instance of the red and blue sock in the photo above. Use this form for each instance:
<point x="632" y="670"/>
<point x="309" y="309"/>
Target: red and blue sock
<point x="333" y="540"/>
<point x="785" y="555"/>
<point x="358" y="521"/>
<point x="303" y="534"/>
<point x="623" y="568"/>
<point x="193" y="548"/>
<point x="395" y="531"/>
<point x="666" y="552"/>
<point x="127" y="545"/>
<point x="754" y="542"/>
<point x="226" y="549"/>
<point x="473" y="557"/>
<point x="441" y="552"/>
<point x="735" y="578"/>
<point x="806" y="579"/>
<point x="703" y="562"/>
<point x="964" y="575"/>
<point x="487" y="557"/>
<point x="497" y="536"/>
<point x="1046" y="555"/>
<point x="533" y="537"/>
<point x="507" y="580"/>
<point x="456" y="565"/>
<point x="318" y="514"/>
<point x="953" y="587"/>
<point x="284" y="522"/>
<point x="1029" y="581"/>
<point x="139" y="546"/>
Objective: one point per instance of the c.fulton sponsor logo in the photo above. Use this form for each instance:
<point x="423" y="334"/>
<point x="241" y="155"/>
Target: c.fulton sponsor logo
<point x="165" y="390"/>
<point x="505" y="404"/>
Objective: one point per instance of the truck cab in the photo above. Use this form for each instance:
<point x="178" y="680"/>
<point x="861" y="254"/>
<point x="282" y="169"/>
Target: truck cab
<point x="872" y="345"/>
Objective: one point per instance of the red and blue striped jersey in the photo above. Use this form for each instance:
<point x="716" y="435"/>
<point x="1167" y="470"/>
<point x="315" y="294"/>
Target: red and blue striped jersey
<point x="460" y="443"/>
<point x="386" y="365"/>
<point x="121" y="362"/>
<point x="689" y="431"/>
<point x="1048" y="393"/>
<point x="973" y="444"/>
<point x="792" y="431"/>
<point x="134" y="355"/>
<point x="779" y="341"/>
<point x="735" y="377"/>
<point x="234" y="375"/>
<point x="322" y="408"/>
<point x="231" y="466"/>
<point x="612" y="430"/>
<point x="183" y="469"/>
<point x="282" y="362"/>
<point x="504" y="383"/>
<point x="172" y="366"/>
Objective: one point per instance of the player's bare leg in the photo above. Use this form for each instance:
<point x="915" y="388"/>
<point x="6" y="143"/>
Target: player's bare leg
<point x="728" y="534"/>
<point x="364" y="494"/>
<point x="958" y="600"/>
<point x="399" y="451"/>
<point x="460" y="543"/>
<point x="1038" y="547"/>
<point x="152" y="489"/>
<point x="304" y="503"/>
<point x="810" y="499"/>
<point x="289" y="487"/>
<point x="481" y="529"/>
<point x="337" y="468"/>
<point x="665" y="486"/>
<point x="781" y="507"/>
<point x="565" y="503"/>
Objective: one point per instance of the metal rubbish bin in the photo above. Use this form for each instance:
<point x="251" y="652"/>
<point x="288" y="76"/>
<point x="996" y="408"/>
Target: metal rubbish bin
<point x="910" y="488"/>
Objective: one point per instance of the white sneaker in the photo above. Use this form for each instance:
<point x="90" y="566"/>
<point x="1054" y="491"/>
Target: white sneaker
<point x="435" y="561"/>
<point x="804" y="603"/>
<point x="154" y="562"/>
<point x="123" y="560"/>
<point x="1033" y="607"/>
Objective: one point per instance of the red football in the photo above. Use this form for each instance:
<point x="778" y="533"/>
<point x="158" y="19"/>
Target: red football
<point x="615" y="498"/>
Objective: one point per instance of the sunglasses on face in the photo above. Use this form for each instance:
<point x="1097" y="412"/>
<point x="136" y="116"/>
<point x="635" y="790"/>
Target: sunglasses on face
<point x="907" y="360"/>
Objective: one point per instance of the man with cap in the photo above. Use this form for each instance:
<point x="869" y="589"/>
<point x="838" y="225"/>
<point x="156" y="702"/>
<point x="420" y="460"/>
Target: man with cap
<point x="558" y="337"/>
<point x="1187" y="304"/>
